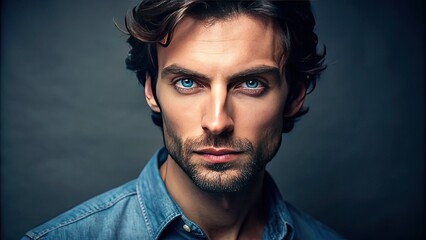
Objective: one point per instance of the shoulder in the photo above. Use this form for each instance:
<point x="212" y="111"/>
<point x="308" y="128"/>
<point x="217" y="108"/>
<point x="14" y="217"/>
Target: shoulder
<point x="306" y="227"/>
<point x="96" y="218"/>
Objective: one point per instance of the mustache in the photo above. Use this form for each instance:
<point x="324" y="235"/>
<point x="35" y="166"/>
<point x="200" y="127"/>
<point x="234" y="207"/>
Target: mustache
<point x="219" y="141"/>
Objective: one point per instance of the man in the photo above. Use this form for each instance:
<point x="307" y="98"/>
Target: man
<point x="224" y="80"/>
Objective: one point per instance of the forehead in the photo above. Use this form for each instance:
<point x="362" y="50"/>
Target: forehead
<point x="235" y="42"/>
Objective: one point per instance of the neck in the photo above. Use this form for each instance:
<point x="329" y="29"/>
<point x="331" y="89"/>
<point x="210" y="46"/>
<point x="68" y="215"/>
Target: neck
<point x="220" y="215"/>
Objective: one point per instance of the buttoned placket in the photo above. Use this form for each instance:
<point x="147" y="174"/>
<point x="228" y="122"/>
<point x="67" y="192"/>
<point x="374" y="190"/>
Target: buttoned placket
<point x="192" y="228"/>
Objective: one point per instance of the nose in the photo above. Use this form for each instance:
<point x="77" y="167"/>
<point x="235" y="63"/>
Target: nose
<point x="217" y="118"/>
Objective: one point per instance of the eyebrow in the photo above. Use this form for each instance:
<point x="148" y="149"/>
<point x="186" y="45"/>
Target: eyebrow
<point x="178" y="70"/>
<point x="257" y="71"/>
<point x="175" y="69"/>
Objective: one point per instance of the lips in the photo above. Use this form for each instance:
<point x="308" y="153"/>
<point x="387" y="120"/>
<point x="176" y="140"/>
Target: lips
<point x="218" y="155"/>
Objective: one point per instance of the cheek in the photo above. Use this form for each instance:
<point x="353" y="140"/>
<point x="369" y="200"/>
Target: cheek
<point x="264" y="115"/>
<point x="259" y="121"/>
<point x="181" y="115"/>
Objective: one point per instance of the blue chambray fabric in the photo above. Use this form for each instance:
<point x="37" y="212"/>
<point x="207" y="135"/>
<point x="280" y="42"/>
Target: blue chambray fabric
<point x="143" y="209"/>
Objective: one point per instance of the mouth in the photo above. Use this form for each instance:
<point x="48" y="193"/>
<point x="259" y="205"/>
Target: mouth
<point x="218" y="155"/>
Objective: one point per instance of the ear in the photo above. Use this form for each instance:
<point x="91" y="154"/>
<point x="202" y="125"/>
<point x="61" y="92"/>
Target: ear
<point x="149" y="96"/>
<point x="297" y="102"/>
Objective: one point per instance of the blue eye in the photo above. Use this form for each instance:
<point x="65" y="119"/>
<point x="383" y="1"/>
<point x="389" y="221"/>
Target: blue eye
<point x="185" y="83"/>
<point x="251" y="84"/>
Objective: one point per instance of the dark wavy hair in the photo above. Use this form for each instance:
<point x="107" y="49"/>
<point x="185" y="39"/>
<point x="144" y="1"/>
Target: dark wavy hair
<point x="152" y="20"/>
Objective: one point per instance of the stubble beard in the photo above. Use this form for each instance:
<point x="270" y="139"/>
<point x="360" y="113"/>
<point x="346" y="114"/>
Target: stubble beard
<point x="222" y="177"/>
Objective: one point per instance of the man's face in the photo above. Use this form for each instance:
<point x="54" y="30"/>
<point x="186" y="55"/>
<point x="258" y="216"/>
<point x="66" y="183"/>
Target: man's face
<point x="222" y="99"/>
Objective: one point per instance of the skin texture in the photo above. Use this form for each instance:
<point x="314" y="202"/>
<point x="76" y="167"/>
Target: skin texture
<point x="222" y="95"/>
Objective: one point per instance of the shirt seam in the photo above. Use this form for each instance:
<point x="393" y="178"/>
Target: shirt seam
<point x="144" y="213"/>
<point x="105" y="206"/>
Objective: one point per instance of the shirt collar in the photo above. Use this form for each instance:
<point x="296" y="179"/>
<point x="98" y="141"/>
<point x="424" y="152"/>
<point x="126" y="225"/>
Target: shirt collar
<point x="159" y="209"/>
<point x="279" y="224"/>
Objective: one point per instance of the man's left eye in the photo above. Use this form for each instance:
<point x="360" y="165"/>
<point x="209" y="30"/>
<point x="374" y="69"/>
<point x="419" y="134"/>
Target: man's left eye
<point x="251" y="87"/>
<point x="251" y="84"/>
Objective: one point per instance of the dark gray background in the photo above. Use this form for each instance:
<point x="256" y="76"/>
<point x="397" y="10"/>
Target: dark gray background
<point x="74" y="122"/>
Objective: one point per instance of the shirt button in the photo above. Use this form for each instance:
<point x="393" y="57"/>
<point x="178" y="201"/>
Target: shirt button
<point x="186" y="228"/>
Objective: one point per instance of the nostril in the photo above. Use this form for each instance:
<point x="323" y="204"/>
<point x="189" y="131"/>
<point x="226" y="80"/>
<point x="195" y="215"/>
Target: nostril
<point x="218" y="126"/>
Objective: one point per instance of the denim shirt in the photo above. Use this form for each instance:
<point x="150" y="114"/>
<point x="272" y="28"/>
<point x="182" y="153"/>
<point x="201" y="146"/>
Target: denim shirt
<point x="143" y="209"/>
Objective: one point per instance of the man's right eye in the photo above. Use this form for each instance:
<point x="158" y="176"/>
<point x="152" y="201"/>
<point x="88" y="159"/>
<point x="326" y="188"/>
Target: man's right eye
<point x="185" y="83"/>
<point x="187" y="86"/>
